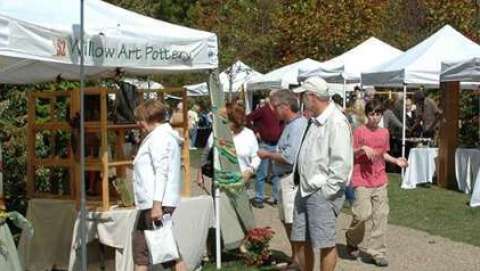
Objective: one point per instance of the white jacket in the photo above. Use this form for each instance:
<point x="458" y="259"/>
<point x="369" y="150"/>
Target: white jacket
<point x="325" y="159"/>
<point x="157" y="169"/>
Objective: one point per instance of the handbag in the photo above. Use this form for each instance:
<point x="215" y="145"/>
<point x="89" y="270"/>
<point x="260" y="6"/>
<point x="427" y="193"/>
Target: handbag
<point x="161" y="242"/>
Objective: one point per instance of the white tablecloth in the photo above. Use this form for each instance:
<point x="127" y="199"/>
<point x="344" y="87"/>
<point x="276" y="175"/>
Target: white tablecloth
<point x="54" y="222"/>
<point x="467" y="165"/>
<point x="475" y="200"/>
<point x="421" y="167"/>
<point x="9" y="256"/>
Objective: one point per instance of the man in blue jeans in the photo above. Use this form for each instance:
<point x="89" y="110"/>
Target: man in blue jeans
<point x="268" y="128"/>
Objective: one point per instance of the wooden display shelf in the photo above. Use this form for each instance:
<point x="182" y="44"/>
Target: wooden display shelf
<point x="103" y="163"/>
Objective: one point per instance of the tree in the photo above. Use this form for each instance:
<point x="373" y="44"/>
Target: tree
<point x="246" y="30"/>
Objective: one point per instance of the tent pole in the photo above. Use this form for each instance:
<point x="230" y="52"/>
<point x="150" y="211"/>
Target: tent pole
<point x="404" y="127"/>
<point x="344" y="93"/>
<point x="215" y="188"/>
<point x="83" y="218"/>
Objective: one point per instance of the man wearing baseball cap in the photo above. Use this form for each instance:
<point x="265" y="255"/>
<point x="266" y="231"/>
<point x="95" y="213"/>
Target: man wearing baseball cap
<point x="322" y="169"/>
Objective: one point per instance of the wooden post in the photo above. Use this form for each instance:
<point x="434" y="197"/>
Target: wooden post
<point x="187" y="184"/>
<point x="75" y="178"/>
<point x="449" y="101"/>
<point x="30" y="144"/>
<point x="104" y="149"/>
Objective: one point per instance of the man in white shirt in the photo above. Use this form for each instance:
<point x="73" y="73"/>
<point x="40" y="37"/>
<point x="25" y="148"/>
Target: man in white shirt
<point x="322" y="170"/>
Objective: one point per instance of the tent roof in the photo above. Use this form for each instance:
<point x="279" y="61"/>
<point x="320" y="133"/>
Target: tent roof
<point x="241" y="73"/>
<point x="421" y="64"/>
<point x="282" y="77"/>
<point x="464" y="71"/>
<point x="143" y="84"/>
<point x="197" y="89"/>
<point x="350" y="64"/>
<point x="39" y="41"/>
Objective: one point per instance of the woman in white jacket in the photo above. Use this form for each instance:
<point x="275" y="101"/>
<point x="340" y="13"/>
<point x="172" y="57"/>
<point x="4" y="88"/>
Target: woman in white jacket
<point x="156" y="176"/>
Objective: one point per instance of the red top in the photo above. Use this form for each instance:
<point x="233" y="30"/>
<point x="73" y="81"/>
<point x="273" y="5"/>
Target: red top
<point x="266" y="123"/>
<point x="366" y="172"/>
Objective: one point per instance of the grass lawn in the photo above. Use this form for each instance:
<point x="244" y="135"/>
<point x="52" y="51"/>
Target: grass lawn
<point x="434" y="210"/>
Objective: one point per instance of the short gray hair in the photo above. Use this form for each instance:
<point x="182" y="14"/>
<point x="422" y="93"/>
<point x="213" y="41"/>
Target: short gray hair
<point x="287" y="97"/>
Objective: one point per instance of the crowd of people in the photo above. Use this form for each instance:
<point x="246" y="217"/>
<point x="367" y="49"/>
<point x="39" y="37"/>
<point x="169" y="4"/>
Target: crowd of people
<point x="312" y="150"/>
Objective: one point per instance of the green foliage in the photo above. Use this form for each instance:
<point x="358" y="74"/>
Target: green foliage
<point x="13" y="136"/>
<point x="469" y="134"/>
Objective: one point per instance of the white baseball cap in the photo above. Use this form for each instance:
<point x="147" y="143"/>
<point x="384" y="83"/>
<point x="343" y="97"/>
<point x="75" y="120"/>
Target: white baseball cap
<point x="314" y="84"/>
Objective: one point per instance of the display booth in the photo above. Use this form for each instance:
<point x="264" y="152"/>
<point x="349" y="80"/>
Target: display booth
<point x="83" y="40"/>
<point x="460" y="164"/>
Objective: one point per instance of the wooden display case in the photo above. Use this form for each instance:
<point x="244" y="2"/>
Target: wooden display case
<point x="60" y="163"/>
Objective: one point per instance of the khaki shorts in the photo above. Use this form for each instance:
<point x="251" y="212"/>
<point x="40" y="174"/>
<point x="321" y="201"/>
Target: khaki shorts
<point x="139" y="244"/>
<point x="286" y="198"/>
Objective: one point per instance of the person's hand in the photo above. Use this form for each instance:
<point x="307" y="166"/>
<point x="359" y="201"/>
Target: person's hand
<point x="401" y="162"/>
<point x="369" y="152"/>
<point x="247" y="176"/>
<point x="263" y="154"/>
<point x="156" y="212"/>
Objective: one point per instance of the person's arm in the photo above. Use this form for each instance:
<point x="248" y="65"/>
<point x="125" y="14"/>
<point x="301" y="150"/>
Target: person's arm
<point x="159" y="152"/>
<point x="401" y="162"/>
<point x="275" y="156"/>
<point x="360" y="149"/>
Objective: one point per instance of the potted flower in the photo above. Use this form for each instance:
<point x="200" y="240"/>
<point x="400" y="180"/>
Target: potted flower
<point x="255" y="248"/>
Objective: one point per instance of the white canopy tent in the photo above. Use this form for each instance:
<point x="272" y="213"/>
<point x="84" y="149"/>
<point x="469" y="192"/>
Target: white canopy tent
<point x="464" y="71"/>
<point x="143" y="84"/>
<point x="74" y="40"/>
<point x="39" y="41"/>
<point x="232" y="78"/>
<point x="421" y="64"/>
<point x="197" y="89"/>
<point x="282" y="77"/>
<point x="348" y="66"/>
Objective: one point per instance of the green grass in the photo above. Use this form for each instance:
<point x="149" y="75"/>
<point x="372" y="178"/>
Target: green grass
<point x="434" y="210"/>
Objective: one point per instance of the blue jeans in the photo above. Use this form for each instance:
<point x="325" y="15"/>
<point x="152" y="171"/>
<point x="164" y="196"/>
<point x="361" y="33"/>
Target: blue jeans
<point x="262" y="174"/>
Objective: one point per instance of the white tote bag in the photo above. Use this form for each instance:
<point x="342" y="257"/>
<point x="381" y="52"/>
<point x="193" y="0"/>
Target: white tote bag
<point x="161" y="242"/>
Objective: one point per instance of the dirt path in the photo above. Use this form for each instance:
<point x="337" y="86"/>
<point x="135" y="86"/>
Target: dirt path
<point x="407" y="249"/>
